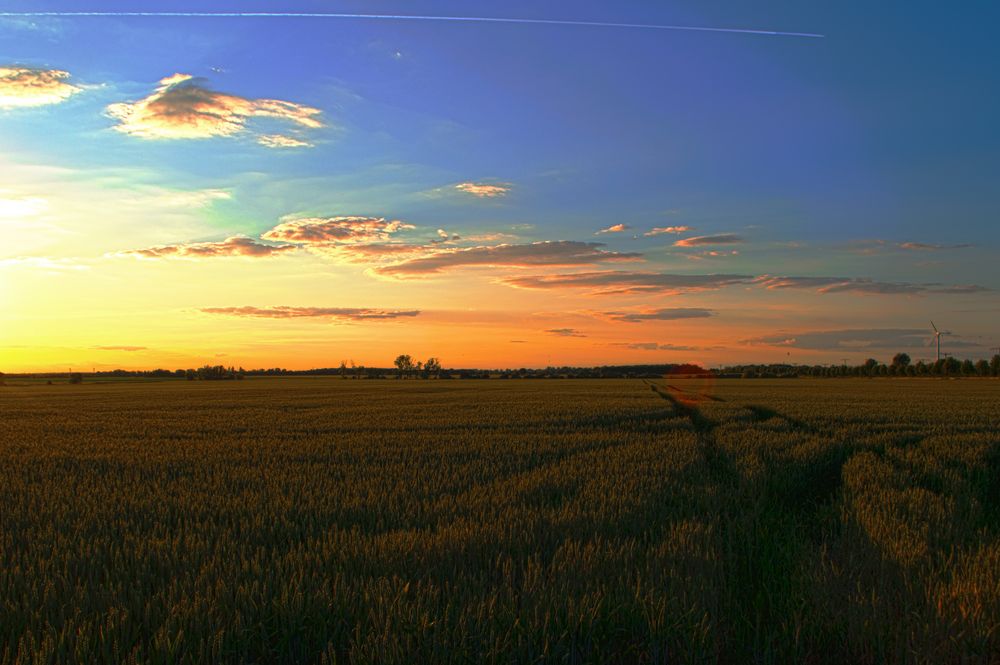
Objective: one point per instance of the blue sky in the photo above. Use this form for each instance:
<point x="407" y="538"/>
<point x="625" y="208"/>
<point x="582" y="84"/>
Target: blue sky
<point x="870" y="154"/>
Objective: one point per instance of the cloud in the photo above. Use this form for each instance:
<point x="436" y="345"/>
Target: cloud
<point x="666" y="314"/>
<point x="930" y="247"/>
<point x="847" y="340"/>
<point x="868" y="247"/>
<point x="334" y="313"/>
<point x="182" y="107"/>
<point x="660" y="230"/>
<point x="863" y="286"/>
<point x="700" y="241"/>
<point x="27" y="86"/>
<point x="373" y="253"/>
<point x="615" y="228"/>
<point x="325" y="230"/>
<point x="711" y="254"/>
<point x="565" y="332"/>
<point x="491" y="237"/>
<point x="614" y="282"/>
<point x="483" y="190"/>
<point x="120" y="348"/>
<point x="282" y="141"/>
<point x="959" y="289"/>
<point x="655" y="346"/>
<point x="234" y="246"/>
<point x="198" y="198"/>
<point x="545" y="253"/>
<point x="876" y="246"/>
<point x="20" y="208"/>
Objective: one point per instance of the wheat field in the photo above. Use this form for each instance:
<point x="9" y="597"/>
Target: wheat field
<point x="306" y="520"/>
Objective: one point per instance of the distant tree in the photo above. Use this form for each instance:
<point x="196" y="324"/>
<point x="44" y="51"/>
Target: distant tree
<point x="995" y="365"/>
<point x="404" y="364"/>
<point x="217" y="373"/>
<point x="968" y="368"/>
<point x="982" y="368"/>
<point x="432" y="367"/>
<point x="870" y="367"/>
<point x="900" y="361"/>
<point x="76" y="378"/>
<point x="342" y="370"/>
<point x="1" y="379"/>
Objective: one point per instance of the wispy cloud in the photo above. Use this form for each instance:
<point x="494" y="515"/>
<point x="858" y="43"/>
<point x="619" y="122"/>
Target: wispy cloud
<point x="877" y="246"/>
<point x="565" y="332"/>
<point x="547" y="253"/>
<point x="22" y="207"/>
<point x="334" y="313"/>
<point x="863" y="286"/>
<point x="483" y="190"/>
<point x="615" y="228"/>
<point x="282" y="141"/>
<point x="27" y="86"/>
<point x="344" y="229"/>
<point x="711" y="254"/>
<point x="182" y="107"/>
<point x="491" y="237"/>
<point x="121" y="348"/>
<point x="930" y="247"/>
<point x="654" y="346"/>
<point x="661" y="230"/>
<point x="613" y="282"/>
<point x="234" y="246"/>
<point x="847" y="340"/>
<point x="700" y="241"/>
<point x="665" y="314"/>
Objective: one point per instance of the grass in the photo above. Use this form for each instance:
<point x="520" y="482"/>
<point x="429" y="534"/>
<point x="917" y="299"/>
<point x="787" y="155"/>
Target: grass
<point x="607" y="521"/>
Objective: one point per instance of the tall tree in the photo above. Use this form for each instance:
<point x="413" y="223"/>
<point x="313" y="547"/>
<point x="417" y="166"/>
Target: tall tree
<point x="404" y="364"/>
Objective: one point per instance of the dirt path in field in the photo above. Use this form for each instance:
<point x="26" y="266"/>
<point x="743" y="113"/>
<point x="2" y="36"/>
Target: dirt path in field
<point x="685" y="406"/>
<point x="719" y="464"/>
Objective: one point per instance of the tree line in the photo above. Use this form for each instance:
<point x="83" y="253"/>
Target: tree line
<point x="900" y="365"/>
<point x="405" y="367"/>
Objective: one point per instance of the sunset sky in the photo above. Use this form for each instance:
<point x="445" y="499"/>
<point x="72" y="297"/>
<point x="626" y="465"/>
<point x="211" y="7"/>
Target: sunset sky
<point x="289" y="191"/>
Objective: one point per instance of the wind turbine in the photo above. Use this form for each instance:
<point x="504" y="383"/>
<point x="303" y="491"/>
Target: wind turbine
<point x="937" y="339"/>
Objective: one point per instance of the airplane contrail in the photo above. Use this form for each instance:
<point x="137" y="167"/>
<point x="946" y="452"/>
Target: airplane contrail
<point x="410" y="17"/>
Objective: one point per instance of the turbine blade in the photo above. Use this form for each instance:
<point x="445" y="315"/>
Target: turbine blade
<point x="934" y="326"/>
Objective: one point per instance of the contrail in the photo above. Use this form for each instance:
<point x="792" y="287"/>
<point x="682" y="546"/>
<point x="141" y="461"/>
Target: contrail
<point x="409" y="17"/>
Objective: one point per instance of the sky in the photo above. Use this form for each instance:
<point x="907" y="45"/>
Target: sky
<point x="266" y="191"/>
